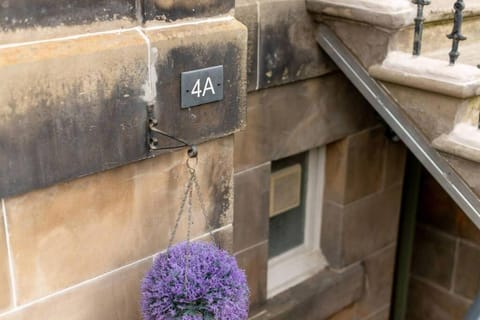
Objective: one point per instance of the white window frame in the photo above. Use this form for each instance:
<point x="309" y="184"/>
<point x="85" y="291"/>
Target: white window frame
<point x="304" y="261"/>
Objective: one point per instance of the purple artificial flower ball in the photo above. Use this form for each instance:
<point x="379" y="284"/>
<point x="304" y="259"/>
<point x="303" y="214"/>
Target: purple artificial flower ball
<point x="214" y="287"/>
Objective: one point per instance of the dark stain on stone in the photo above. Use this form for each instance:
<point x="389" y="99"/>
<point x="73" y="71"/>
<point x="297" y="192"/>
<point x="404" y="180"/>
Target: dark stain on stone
<point x="221" y="198"/>
<point x="248" y="15"/>
<point x="22" y="14"/>
<point x="289" y="53"/>
<point x="204" y="122"/>
<point x="50" y="143"/>
<point x="169" y="10"/>
<point x="72" y="134"/>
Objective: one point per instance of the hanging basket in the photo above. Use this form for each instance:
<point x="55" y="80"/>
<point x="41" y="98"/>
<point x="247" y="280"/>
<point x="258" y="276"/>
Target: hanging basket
<point x="210" y="287"/>
<point x="194" y="280"/>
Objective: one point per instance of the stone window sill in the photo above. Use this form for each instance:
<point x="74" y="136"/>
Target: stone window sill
<point x="319" y="297"/>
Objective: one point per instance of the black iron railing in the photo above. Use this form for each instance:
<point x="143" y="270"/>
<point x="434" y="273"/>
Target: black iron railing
<point x="419" y="21"/>
<point x="456" y="35"/>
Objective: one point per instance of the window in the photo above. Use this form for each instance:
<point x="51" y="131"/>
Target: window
<point x="296" y="193"/>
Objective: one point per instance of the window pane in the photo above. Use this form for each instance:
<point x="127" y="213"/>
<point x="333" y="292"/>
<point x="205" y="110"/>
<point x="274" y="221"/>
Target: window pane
<point x="287" y="229"/>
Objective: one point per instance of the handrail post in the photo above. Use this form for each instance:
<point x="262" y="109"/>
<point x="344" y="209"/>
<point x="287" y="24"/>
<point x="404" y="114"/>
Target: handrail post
<point x="456" y="36"/>
<point x="419" y="21"/>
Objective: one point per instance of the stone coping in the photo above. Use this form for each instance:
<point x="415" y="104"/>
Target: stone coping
<point x="393" y="14"/>
<point x="461" y="81"/>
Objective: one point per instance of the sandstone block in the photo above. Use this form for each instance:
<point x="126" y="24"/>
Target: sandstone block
<point x="251" y="218"/>
<point x="287" y="120"/>
<point x="43" y="19"/>
<point x="74" y="231"/>
<point x="288" y="50"/>
<point x="5" y="290"/>
<point x="354" y="231"/>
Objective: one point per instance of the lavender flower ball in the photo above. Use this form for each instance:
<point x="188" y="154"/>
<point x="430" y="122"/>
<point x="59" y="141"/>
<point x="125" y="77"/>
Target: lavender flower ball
<point x="214" y="289"/>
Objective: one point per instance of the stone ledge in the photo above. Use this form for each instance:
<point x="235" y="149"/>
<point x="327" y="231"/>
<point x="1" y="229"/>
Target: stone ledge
<point x="463" y="142"/>
<point x="319" y="297"/>
<point x="460" y="81"/>
<point x="388" y="14"/>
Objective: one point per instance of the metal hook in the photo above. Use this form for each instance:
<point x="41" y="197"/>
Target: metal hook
<point x="152" y="141"/>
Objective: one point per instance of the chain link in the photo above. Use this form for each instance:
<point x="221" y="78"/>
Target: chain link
<point x="180" y="212"/>
<point x="202" y="206"/>
<point x="188" y="200"/>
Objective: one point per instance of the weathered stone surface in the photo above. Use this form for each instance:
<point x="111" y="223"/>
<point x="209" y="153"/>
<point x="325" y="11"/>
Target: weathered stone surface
<point x="394" y="163"/>
<point x="5" y="290"/>
<point x="434" y="256"/>
<point x="168" y="10"/>
<point x="467" y="277"/>
<point x="188" y="48"/>
<point x="379" y="271"/>
<point x="30" y="14"/>
<point x="251" y="214"/>
<point x="436" y="208"/>
<point x="74" y="231"/>
<point x="254" y="262"/>
<point x="346" y="314"/>
<point x="60" y="125"/>
<point x="291" y="119"/>
<point x="116" y="296"/>
<point x="355" y="166"/>
<point x="434" y="114"/>
<point x="432" y="75"/>
<point x="369" y="44"/>
<point x="467" y="169"/>
<point x="246" y="12"/>
<point x="428" y="302"/>
<point x="288" y="50"/>
<point x="318" y="298"/>
<point x="383" y="314"/>
<point x="393" y="15"/>
<point x="352" y="232"/>
<point x="80" y="111"/>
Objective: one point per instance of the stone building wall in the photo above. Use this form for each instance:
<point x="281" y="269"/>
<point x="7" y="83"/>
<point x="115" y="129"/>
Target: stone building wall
<point x="86" y="207"/>
<point x="444" y="274"/>
<point x="298" y="102"/>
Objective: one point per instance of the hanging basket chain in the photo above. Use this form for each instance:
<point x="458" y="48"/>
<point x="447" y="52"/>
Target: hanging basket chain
<point x="180" y="212"/>
<point x="203" y="208"/>
<point x="189" y="231"/>
<point x="187" y="200"/>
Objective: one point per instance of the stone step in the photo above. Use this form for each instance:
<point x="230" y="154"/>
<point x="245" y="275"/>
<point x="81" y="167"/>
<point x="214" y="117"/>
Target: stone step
<point x="435" y="37"/>
<point x="393" y="23"/>
<point x="443" y="9"/>
<point x="442" y="100"/>
<point x="469" y="54"/>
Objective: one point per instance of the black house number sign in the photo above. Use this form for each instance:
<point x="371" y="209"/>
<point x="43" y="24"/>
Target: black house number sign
<point x="202" y="86"/>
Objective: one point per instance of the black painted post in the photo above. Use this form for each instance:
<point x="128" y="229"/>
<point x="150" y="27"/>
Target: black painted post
<point x="419" y="20"/>
<point x="456" y="34"/>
